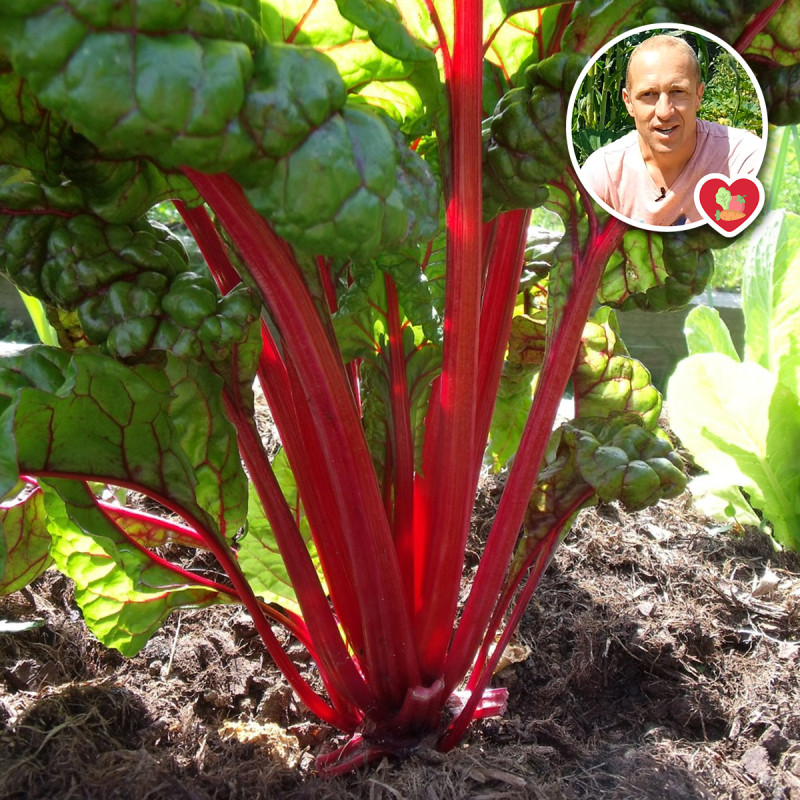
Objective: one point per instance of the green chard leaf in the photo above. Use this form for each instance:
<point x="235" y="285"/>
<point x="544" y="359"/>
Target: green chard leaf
<point x="610" y="458"/>
<point x="258" y="554"/>
<point x="559" y="494"/>
<point x="658" y="272"/>
<point x="124" y="595"/>
<point x="128" y="284"/>
<point x="115" y="188"/>
<point x="515" y="392"/>
<point x="773" y="55"/>
<point x="362" y="330"/>
<point x="596" y="22"/>
<point x="30" y="136"/>
<point x="607" y="380"/>
<point x="523" y="141"/>
<point x="380" y="61"/>
<point x="24" y="540"/>
<point x="624" y="461"/>
<point x="183" y="87"/>
<point x="157" y="428"/>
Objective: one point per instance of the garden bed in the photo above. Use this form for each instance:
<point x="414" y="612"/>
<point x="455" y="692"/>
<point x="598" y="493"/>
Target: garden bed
<point x="659" y="659"/>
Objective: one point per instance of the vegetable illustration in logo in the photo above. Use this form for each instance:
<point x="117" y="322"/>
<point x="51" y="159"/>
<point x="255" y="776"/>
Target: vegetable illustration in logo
<point x="729" y="203"/>
<point x="732" y="207"/>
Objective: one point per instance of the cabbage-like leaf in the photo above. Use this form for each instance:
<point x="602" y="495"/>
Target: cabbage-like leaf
<point x="771" y="297"/>
<point x="658" y="272"/>
<point x="743" y="426"/>
<point x="523" y="141"/>
<point x="705" y="332"/>
<point x="198" y="85"/>
<point x="624" y="461"/>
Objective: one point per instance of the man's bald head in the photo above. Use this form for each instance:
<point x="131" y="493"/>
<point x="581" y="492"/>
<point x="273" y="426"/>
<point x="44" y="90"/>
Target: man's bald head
<point x="664" y="41"/>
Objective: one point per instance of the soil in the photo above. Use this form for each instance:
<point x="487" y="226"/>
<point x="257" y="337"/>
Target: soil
<point x="659" y="659"/>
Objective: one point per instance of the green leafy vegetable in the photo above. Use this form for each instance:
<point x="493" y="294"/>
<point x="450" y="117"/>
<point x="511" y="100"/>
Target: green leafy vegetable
<point x="749" y="437"/>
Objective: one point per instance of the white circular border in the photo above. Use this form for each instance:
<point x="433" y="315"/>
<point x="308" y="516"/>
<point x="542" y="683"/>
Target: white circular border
<point x="658" y="26"/>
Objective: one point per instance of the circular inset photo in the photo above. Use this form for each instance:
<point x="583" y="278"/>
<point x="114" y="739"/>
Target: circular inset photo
<point x="654" y="112"/>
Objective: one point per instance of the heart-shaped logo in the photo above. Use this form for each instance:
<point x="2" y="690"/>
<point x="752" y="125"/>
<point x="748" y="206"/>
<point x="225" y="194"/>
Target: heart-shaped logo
<point x="729" y="204"/>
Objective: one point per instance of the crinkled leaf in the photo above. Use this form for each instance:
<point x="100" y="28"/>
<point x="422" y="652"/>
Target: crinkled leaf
<point x="771" y="297"/>
<point x="36" y="139"/>
<point x="353" y="188"/>
<point x="624" y="461"/>
<point x="706" y="333"/>
<point x="30" y="136"/>
<point x="657" y="272"/>
<point x="523" y="141"/>
<point x="124" y="594"/>
<point x="197" y="85"/>
<point x="24" y="540"/>
<point x="147" y="429"/>
<point x="104" y="68"/>
<point x="122" y="189"/>
<point x="743" y="427"/>
<point x="258" y="554"/>
<point x="607" y="380"/>
<point x="128" y="284"/>
<point x="613" y="458"/>
<point x="559" y="494"/>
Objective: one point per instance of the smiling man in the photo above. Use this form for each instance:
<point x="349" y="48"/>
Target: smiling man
<point x="649" y="175"/>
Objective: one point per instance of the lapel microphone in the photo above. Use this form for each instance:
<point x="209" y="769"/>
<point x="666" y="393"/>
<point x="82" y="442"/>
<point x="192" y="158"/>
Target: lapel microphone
<point x="663" y="194"/>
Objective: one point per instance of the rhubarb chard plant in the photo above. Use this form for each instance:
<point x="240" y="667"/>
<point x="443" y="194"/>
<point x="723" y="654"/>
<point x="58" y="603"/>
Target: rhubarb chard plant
<point x="359" y="177"/>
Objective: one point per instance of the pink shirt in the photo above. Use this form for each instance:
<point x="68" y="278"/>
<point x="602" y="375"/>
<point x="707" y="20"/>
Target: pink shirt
<point x="617" y="174"/>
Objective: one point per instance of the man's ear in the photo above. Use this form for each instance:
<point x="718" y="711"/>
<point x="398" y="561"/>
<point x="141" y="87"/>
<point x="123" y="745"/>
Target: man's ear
<point x="626" y="98"/>
<point x="701" y="87"/>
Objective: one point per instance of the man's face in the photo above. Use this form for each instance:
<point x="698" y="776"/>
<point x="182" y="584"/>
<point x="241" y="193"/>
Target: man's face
<point x="663" y="98"/>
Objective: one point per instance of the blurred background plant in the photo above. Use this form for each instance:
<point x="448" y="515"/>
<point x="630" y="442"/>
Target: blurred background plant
<point x="780" y="174"/>
<point x="740" y="417"/>
<point x="737" y="409"/>
<point x="15" y="330"/>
